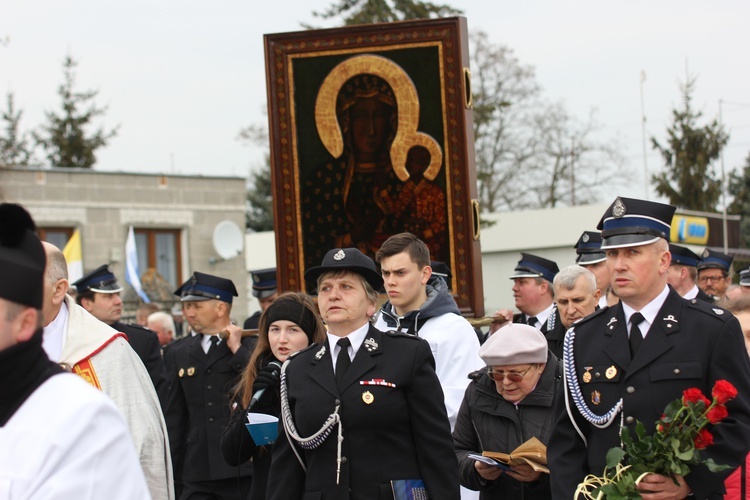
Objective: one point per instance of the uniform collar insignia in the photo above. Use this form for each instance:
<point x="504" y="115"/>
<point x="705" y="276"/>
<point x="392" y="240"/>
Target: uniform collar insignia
<point x="719" y="312"/>
<point x="320" y="353"/>
<point x="370" y="344"/>
<point x="612" y="323"/>
<point x="670" y="318"/>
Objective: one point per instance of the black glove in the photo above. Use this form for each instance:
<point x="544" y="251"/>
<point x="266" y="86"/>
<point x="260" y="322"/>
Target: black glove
<point x="268" y="378"/>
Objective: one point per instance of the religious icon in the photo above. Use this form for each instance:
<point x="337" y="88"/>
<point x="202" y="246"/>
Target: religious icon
<point x="371" y="136"/>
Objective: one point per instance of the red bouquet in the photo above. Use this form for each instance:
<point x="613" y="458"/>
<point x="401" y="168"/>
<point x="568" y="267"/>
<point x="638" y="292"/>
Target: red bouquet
<point x="681" y="433"/>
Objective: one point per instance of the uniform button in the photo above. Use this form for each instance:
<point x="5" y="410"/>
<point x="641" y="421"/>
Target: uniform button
<point x="676" y="371"/>
<point x="208" y="371"/>
<point x="629" y="420"/>
<point x="343" y="460"/>
<point x="208" y="387"/>
<point x="211" y="419"/>
<point x="630" y="389"/>
<point x="210" y="403"/>
<point x="597" y="374"/>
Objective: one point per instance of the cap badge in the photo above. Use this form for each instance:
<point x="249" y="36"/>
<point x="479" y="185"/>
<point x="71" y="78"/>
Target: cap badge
<point x="585" y="238"/>
<point x="339" y="255"/>
<point x="705" y="254"/>
<point x="370" y="344"/>
<point x="618" y="210"/>
<point x="320" y="353"/>
<point x="256" y="278"/>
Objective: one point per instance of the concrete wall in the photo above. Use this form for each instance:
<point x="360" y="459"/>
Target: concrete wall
<point x="103" y="205"/>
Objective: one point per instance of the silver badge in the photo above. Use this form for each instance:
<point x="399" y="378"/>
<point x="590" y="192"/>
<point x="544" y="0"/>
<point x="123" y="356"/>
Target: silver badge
<point x="370" y="344"/>
<point x="705" y="254"/>
<point x="618" y="210"/>
<point x="670" y="318"/>
<point x="612" y="323"/>
<point x="320" y="353"/>
<point x="719" y="312"/>
<point x="585" y="238"/>
<point x="339" y="255"/>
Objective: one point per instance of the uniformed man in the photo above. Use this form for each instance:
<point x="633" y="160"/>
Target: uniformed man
<point x="265" y="290"/>
<point x="683" y="272"/>
<point x="576" y="296"/>
<point x="203" y="371"/>
<point x="627" y="362"/>
<point x="99" y="293"/>
<point x="714" y="273"/>
<point x="591" y="256"/>
<point x="533" y="293"/>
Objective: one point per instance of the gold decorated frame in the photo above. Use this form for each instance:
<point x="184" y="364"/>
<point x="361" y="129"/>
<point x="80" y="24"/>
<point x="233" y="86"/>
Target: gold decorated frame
<point x="299" y="97"/>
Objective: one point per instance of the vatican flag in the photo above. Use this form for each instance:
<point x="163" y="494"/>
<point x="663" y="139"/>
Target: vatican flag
<point x="72" y="253"/>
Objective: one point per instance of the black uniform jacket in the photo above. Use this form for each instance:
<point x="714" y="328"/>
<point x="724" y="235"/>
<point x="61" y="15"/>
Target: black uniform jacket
<point x="198" y="408"/>
<point x="394" y="424"/>
<point x="690" y="344"/>
<point x="145" y="343"/>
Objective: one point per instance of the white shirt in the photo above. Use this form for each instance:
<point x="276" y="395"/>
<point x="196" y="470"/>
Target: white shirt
<point x="541" y="318"/>
<point x="55" y="334"/>
<point x="206" y="342"/>
<point x="357" y="337"/>
<point x="649" y="312"/>
<point x="692" y="293"/>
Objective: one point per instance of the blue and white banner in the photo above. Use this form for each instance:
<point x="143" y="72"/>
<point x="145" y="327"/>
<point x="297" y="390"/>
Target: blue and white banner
<point x="132" y="276"/>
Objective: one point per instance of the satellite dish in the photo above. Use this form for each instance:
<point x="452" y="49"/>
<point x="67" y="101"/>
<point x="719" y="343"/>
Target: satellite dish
<point x="228" y="239"/>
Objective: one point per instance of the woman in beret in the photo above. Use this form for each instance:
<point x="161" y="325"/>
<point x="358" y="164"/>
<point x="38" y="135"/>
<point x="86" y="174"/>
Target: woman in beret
<point x="288" y="325"/>
<point x="506" y="404"/>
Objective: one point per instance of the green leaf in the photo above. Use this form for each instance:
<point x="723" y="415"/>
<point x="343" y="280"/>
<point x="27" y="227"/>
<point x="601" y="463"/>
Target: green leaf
<point x="714" y="467"/>
<point x="615" y="456"/>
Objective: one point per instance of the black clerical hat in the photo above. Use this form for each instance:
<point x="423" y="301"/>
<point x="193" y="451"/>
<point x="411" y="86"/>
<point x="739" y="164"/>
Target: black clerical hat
<point x="22" y="258"/>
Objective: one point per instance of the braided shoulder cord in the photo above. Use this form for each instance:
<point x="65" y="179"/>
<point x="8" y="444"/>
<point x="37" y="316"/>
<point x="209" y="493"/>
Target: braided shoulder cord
<point x="551" y="319"/>
<point x="312" y="442"/>
<point x="602" y="421"/>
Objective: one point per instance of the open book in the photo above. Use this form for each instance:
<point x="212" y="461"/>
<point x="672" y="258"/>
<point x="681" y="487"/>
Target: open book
<point x="532" y="452"/>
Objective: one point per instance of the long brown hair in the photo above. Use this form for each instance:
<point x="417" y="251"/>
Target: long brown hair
<point x="243" y="392"/>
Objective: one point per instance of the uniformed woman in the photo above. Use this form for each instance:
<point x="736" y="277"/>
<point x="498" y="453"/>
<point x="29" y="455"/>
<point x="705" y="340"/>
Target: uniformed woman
<point x="288" y="325"/>
<point x="363" y="412"/>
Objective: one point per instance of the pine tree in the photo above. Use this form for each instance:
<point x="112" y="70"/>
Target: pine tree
<point x="382" y="11"/>
<point x="15" y="150"/>
<point x="689" y="180"/>
<point x="64" y="137"/>
<point x="739" y="189"/>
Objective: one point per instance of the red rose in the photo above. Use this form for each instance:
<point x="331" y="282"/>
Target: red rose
<point x="703" y="439"/>
<point x="717" y="414"/>
<point x="693" y="395"/>
<point x="723" y="391"/>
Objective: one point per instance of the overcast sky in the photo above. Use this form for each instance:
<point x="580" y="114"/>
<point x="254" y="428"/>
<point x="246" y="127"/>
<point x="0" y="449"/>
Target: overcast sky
<point x="182" y="77"/>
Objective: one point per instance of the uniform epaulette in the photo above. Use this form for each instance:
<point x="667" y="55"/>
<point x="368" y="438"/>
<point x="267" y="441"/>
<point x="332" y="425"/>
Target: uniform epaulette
<point x="139" y="327"/>
<point x="710" y="309"/>
<point x="295" y="354"/>
<point x="396" y="333"/>
<point x="591" y="316"/>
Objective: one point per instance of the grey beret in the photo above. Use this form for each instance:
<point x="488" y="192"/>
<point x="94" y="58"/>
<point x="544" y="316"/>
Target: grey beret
<point x="515" y="344"/>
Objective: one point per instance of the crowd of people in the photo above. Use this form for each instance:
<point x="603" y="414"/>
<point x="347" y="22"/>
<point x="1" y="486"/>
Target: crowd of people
<point x="390" y="401"/>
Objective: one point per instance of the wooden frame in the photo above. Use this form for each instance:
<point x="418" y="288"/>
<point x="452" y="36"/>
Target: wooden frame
<point x="371" y="135"/>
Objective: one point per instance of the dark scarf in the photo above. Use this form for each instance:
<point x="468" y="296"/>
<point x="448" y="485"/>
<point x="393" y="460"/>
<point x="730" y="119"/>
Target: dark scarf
<point x="23" y="368"/>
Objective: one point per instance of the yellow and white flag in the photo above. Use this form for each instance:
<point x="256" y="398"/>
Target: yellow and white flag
<point x="72" y="253"/>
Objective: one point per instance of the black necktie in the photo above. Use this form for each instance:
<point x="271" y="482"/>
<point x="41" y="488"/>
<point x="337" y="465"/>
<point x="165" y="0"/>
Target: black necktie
<point x="531" y="321"/>
<point x="342" y="361"/>
<point x="213" y="342"/>
<point x="636" y="337"/>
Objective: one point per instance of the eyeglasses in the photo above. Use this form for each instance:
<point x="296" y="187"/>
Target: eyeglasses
<point x="512" y="376"/>
<point x="712" y="279"/>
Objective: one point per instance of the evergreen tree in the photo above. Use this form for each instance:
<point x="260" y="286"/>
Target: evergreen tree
<point x="739" y="189"/>
<point x="383" y="11"/>
<point x="259" y="212"/>
<point x="64" y="137"/>
<point x="689" y="179"/>
<point x="15" y="150"/>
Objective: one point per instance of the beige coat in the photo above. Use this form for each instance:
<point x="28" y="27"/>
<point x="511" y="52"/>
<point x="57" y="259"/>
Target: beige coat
<point x="103" y="357"/>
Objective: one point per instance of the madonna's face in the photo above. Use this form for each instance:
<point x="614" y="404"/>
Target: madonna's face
<point x="370" y="122"/>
